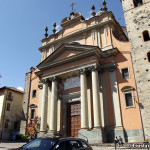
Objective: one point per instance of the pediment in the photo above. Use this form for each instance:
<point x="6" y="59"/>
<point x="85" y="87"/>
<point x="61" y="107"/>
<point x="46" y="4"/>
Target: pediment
<point x="64" y="53"/>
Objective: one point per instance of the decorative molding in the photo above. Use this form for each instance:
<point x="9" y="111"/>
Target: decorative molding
<point x="86" y="29"/>
<point x="127" y="88"/>
<point x="71" y="69"/>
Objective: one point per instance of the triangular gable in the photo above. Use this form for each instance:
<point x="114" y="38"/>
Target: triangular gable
<point x="65" y="54"/>
<point x="65" y="51"/>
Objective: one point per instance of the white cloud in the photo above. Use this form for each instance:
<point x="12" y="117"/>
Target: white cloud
<point x="58" y="27"/>
<point x="20" y="88"/>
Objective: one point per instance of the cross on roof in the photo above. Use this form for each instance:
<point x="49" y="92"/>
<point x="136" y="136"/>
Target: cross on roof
<point x="72" y="5"/>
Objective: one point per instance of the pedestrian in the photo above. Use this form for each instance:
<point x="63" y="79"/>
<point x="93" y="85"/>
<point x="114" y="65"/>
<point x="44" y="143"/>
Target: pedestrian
<point x="120" y="141"/>
<point x="116" y="140"/>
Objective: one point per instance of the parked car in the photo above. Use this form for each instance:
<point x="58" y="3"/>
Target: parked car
<point x="57" y="143"/>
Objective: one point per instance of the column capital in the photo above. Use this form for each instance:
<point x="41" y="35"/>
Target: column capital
<point x="43" y="81"/>
<point x="92" y="68"/>
<point x="111" y="68"/>
<point x="54" y="78"/>
<point x="83" y="71"/>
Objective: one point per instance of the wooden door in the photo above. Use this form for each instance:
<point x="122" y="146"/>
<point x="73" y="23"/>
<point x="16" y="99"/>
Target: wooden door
<point x="73" y="119"/>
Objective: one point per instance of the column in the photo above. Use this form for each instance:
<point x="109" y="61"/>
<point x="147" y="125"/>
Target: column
<point x="103" y="98"/>
<point x="59" y="115"/>
<point x="84" y="102"/>
<point x="53" y="108"/>
<point x="115" y="97"/>
<point x="96" y="97"/>
<point x="89" y="102"/>
<point x="43" y="125"/>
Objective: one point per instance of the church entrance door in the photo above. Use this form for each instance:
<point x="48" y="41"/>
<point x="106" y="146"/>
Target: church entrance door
<point x="73" y="119"/>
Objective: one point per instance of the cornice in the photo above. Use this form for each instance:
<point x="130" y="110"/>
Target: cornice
<point x="71" y="69"/>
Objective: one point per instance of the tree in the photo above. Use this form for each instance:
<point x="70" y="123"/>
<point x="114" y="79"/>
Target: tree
<point x="33" y="127"/>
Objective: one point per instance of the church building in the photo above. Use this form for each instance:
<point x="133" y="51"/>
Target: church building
<point x="84" y="85"/>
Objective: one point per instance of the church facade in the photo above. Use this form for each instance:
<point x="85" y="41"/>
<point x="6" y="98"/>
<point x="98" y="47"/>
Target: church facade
<point x="84" y="85"/>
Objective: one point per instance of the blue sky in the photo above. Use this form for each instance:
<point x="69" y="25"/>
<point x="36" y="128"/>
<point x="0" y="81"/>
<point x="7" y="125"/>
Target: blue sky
<point x="22" y="24"/>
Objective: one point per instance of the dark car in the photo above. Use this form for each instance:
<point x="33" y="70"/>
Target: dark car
<point x="55" y="143"/>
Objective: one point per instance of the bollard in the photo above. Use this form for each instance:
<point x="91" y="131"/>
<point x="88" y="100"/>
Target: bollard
<point x="115" y="146"/>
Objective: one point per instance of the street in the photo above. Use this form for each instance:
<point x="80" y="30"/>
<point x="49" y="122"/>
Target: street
<point x="9" y="145"/>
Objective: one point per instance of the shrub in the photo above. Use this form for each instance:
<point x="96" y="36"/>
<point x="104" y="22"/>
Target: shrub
<point x="22" y="137"/>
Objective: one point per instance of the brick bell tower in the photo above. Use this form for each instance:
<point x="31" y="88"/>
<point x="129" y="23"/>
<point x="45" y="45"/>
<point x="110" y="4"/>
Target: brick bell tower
<point x="137" y="18"/>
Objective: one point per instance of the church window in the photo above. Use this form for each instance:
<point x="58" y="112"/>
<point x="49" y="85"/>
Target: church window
<point x="8" y="107"/>
<point x="32" y="111"/>
<point x="9" y="96"/>
<point x="125" y="73"/>
<point x="128" y="96"/>
<point x="128" y="99"/>
<point x="33" y="93"/>
<point x="32" y="114"/>
<point x="6" y="123"/>
<point x="146" y="36"/>
<point x="137" y="3"/>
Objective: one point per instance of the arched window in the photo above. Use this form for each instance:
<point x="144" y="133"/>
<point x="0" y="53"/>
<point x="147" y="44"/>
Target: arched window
<point x="146" y="35"/>
<point x="137" y="2"/>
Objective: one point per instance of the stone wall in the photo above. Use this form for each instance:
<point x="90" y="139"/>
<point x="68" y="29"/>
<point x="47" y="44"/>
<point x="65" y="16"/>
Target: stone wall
<point x="25" y="103"/>
<point x="138" y="20"/>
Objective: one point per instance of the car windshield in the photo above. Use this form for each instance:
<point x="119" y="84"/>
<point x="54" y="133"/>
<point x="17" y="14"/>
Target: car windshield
<point x="40" y="144"/>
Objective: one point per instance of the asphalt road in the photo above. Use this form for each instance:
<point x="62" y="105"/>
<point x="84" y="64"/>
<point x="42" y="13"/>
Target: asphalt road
<point x="10" y="145"/>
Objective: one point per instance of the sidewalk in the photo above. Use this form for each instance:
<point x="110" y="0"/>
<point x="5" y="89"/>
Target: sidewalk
<point x="111" y="146"/>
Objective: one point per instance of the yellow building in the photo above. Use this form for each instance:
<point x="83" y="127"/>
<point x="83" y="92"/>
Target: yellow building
<point x="10" y="111"/>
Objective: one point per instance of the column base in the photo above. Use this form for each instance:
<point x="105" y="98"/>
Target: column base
<point x="112" y="132"/>
<point x="48" y="134"/>
<point x="94" y="136"/>
<point x="41" y="134"/>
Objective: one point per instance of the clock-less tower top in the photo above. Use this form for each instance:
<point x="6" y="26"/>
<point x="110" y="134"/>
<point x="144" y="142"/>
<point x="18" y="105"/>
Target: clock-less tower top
<point x="137" y="17"/>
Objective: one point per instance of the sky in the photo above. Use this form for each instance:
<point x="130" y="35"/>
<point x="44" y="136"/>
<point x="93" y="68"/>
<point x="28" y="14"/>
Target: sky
<point x="22" y="27"/>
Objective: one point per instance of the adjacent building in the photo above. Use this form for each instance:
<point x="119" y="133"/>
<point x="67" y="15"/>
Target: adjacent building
<point x="10" y="111"/>
<point x="84" y="85"/>
<point x="137" y="17"/>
